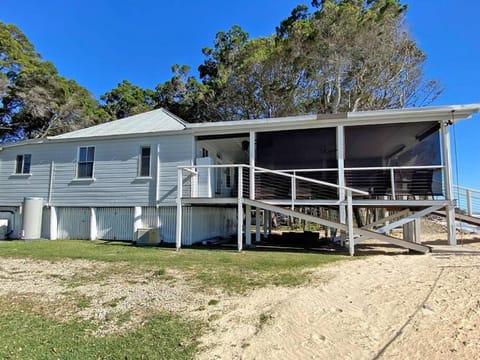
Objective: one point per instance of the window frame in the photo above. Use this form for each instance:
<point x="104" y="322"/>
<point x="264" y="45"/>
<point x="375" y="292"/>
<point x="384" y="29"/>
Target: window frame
<point x="85" y="162"/>
<point x="140" y="162"/>
<point x="20" y="170"/>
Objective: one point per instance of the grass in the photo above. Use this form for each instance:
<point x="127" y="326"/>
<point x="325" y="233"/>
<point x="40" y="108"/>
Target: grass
<point x="229" y="270"/>
<point x="29" y="332"/>
<point x="29" y="335"/>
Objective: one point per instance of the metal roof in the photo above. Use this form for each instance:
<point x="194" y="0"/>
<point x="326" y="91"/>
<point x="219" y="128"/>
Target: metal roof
<point x="161" y="121"/>
<point x="433" y="113"/>
<point x="156" y="121"/>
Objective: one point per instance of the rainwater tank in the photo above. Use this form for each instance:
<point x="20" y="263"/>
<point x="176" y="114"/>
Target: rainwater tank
<point x="32" y="218"/>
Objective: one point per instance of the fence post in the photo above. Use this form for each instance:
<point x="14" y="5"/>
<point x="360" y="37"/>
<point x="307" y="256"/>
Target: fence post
<point x="351" y="244"/>
<point x="240" y="209"/>
<point x="178" y="233"/>
<point x="469" y="203"/>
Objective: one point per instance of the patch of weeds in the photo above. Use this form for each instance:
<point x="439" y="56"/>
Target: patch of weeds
<point x="264" y="319"/>
<point x="124" y="317"/>
<point x="160" y="272"/>
<point x="213" y="302"/>
<point x="114" y="303"/>
<point x="202" y="308"/>
<point x="83" y="301"/>
<point x="245" y="345"/>
<point x="214" y="317"/>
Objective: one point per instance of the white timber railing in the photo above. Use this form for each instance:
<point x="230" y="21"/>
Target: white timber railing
<point x="239" y="181"/>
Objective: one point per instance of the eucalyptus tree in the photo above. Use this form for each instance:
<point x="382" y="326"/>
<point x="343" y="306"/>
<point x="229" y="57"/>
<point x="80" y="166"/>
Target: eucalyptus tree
<point x="35" y="101"/>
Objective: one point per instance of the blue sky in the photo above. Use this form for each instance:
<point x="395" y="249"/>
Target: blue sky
<point x="100" y="43"/>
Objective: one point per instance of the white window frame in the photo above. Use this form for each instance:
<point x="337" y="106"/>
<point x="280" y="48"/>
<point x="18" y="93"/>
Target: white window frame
<point x="22" y="166"/>
<point x="140" y="156"/>
<point x="78" y="162"/>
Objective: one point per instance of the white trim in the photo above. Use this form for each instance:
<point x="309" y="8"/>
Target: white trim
<point x="139" y="162"/>
<point x="77" y="162"/>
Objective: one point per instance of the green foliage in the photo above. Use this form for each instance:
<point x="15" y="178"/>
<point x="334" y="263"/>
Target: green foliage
<point x="35" y="101"/>
<point x="127" y="100"/>
<point x="340" y="55"/>
<point x="29" y="335"/>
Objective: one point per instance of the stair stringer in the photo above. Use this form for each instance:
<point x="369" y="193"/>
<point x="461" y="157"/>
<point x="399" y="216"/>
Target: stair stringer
<point x="361" y="232"/>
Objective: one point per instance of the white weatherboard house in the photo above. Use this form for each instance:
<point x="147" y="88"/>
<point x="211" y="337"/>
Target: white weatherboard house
<point x="183" y="183"/>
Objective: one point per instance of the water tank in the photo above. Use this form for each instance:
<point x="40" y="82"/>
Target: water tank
<point x="32" y="218"/>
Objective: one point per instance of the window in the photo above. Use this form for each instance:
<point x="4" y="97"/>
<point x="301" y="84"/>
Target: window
<point x="144" y="169"/>
<point x="204" y="152"/>
<point x="86" y="156"/>
<point x="23" y="164"/>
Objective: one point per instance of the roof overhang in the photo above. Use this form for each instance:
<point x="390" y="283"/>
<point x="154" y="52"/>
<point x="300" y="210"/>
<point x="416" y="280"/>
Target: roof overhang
<point x="448" y="114"/>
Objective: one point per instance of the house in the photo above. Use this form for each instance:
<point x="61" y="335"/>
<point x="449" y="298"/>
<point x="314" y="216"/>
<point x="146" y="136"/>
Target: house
<point x="191" y="182"/>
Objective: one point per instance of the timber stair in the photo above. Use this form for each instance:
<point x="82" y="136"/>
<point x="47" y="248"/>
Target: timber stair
<point x="370" y="234"/>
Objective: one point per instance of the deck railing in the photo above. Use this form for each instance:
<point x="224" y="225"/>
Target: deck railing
<point x="468" y="199"/>
<point x="244" y="185"/>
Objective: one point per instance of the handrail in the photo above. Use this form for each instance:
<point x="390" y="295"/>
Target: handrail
<point x="276" y="172"/>
<point x="320" y="182"/>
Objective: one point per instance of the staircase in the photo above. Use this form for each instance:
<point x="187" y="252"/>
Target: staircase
<point x="365" y="233"/>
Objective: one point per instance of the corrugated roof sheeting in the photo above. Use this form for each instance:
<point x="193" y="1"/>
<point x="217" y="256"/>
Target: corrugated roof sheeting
<point x="159" y="120"/>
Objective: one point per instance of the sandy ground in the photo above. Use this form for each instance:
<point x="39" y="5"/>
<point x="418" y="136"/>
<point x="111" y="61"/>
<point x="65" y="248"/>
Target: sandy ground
<point x="392" y="306"/>
<point x="389" y="306"/>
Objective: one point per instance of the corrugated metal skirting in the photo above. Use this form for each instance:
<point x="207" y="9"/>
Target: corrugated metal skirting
<point x="115" y="223"/>
<point x="73" y="223"/>
<point x="165" y="218"/>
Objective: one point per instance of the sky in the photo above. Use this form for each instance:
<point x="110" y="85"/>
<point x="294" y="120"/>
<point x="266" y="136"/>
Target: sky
<point x="100" y="43"/>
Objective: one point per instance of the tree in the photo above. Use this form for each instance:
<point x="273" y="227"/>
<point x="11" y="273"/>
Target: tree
<point x="127" y="100"/>
<point x="339" y="55"/>
<point x="184" y="96"/>
<point x="357" y="55"/>
<point x="35" y="101"/>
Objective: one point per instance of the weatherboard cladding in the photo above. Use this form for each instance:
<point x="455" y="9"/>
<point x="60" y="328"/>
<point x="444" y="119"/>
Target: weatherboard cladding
<point x="115" y="172"/>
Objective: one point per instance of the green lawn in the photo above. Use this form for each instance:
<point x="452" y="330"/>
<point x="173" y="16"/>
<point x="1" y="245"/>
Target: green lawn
<point x="229" y="270"/>
<point x="27" y="333"/>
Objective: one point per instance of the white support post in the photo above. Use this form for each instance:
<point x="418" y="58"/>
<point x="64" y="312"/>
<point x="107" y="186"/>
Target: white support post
<point x="93" y="224"/>
<point x="294" y="190"/>
<point x="447" y="173"/>
<point x="53" y="223"/>
<point x="409" y="231"/>
<point x="341" y="169"/>
<point x="248" y="225"/>
<point x="240" y="210"/>
<point x="137" y="220"/>
<point x="252" y="164"/>
<point x="392" y="183"/>
<point x="418" y="230"/>
<point x="341" y="176"/>
<point x="469" y="202"/>
<point x="351" y="243"/>
<point x="257" y="224"/>
<point x="178" y="232"/>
